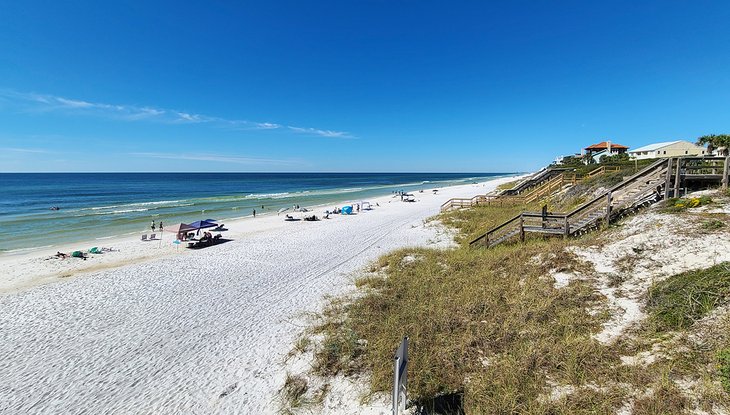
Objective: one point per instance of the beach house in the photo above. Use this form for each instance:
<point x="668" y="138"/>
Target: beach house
<point x="604" y="148"/>
<point x="668" y="149"/>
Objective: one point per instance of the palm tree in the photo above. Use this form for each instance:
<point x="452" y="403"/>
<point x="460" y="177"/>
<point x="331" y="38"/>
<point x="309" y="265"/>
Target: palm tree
<point x="714" y="141"/>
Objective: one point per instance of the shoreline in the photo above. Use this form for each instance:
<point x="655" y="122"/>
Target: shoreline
<point x="36" y="266"/>
<point x="98" y="218"/>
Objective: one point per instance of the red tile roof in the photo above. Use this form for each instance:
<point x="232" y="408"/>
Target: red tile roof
<point x="604" y="145"/>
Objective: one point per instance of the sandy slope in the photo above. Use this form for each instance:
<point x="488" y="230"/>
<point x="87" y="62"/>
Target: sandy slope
<point x="188" y="332"/>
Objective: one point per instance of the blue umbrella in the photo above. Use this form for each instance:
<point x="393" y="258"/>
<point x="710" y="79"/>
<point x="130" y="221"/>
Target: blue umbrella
<point x="202" y="224"/>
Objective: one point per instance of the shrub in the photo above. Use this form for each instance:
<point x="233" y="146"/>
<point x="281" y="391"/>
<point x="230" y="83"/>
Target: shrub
<point x="681" y="299"/>
<point x="712" y="224"/>
<point x="723" y="358"/>
<point x="682" y="204"/>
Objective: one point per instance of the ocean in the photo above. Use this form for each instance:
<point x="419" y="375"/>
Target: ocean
<point x="108" y="205"/>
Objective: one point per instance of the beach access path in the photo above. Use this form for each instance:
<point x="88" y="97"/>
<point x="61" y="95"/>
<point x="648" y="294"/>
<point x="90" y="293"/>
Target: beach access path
<point x="195" y="332"/>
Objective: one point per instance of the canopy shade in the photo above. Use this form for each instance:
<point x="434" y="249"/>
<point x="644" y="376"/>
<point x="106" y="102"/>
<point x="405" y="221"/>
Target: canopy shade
<point x="180" y="227"/>
<point x="202" y="224"/>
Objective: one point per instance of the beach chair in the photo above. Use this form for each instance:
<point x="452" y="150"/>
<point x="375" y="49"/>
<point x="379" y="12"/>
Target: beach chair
<point x="152" y="237"/>
<point x="144" y="237"/>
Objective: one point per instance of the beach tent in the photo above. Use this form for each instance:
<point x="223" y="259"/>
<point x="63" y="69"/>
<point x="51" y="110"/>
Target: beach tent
<point x="364" y="205"/>
<point x="347" y="210"/>
<point x="202" y="224"/>
<point x="180" y="227"/>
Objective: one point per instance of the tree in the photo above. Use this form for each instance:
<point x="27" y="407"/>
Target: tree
<point x="714" y="141"/>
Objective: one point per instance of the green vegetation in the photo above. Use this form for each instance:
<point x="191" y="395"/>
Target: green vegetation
<point x="294" y="389"/>
<point x="713" y="141"/>
<point x="723" y="358"/>
<point x="485" y="323"/>
<point x="713" y="224"/>
<point x="680" y="300"/>
<point x="508" y="185"/>
<point x="489" y="326"/>
<point x="682" y="204"/>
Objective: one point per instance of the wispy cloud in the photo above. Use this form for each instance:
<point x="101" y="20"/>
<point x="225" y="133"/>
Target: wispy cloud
<point x="22" y="150"/>
<point x="33" y="102"/>
<point x="322" y="133"/>
<point x="221" y="158"/>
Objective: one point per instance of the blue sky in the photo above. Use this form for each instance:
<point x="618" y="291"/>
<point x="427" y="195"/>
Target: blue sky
<point x="352" y="85"/>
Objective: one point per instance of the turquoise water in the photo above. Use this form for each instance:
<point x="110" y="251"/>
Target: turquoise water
<point x="100" y="205"/>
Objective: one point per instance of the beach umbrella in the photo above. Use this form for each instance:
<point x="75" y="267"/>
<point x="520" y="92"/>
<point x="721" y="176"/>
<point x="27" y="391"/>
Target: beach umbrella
<point x="211" y="220"/>
<point x="202" y="224"/>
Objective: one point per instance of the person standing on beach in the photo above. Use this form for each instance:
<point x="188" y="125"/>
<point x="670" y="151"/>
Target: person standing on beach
<point x="254" y="213"/>
<point x="160" y="226"/>
<point x="153" y="226"/>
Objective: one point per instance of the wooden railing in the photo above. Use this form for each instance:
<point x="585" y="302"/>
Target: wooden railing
<point x="583" y="217"/>
<point x="531" y="195"/>
<point x="602" y="170"/>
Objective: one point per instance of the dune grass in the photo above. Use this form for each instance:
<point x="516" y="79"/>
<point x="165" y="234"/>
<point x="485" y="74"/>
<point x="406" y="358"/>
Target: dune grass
<point x="682" y="299"/>
<point x="489" y="326"/>
<point x="483" y="323"/>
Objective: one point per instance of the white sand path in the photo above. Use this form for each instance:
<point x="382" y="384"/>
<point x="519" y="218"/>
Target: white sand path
<point x="196" y="333"/>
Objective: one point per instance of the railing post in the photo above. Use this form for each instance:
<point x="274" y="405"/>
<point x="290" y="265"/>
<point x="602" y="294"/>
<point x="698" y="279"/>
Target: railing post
<point x="522" y="228"/>
<point x="725" y="173"/>
<point x="608" y="209"/>
<point x="668" y="179"/>
<point x="677" y="178"/>
<point x="566" y="231"/>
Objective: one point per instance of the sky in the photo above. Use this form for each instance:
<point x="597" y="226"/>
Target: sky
<point x="352" y="86"/>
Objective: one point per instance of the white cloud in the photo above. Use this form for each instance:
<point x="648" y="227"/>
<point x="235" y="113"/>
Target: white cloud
<point x="33" y="102"/>
<point x="266" y="126"/>
<point x="322" y="133"/>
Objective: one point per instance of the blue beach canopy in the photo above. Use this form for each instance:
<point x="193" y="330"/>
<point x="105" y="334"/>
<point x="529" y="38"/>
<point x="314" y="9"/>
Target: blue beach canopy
<point x="202" y="224"/>
<point x="347" y="210"/>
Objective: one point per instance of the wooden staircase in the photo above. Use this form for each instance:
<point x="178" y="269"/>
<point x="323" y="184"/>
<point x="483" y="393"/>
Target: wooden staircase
<point x="532" y="194"/>
<point x="641" y="189"/>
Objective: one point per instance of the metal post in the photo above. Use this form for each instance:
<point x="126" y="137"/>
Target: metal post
<point x="668" y="179"/>
<point x="677" y="178"/>
<point x="396" y="385"/>
<point x="726" y="173"/>
<point x="400" y="378"/>
<point x="608" y="208"/>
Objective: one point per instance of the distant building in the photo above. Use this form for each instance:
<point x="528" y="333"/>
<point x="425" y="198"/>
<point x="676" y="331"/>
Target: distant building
<point x="560" y="159"/>
<point x="668" y="149"/>
<point x="604" y="148"/>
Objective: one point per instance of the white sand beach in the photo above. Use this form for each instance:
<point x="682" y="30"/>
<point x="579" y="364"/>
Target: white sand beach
<point x="152" y="328"/>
